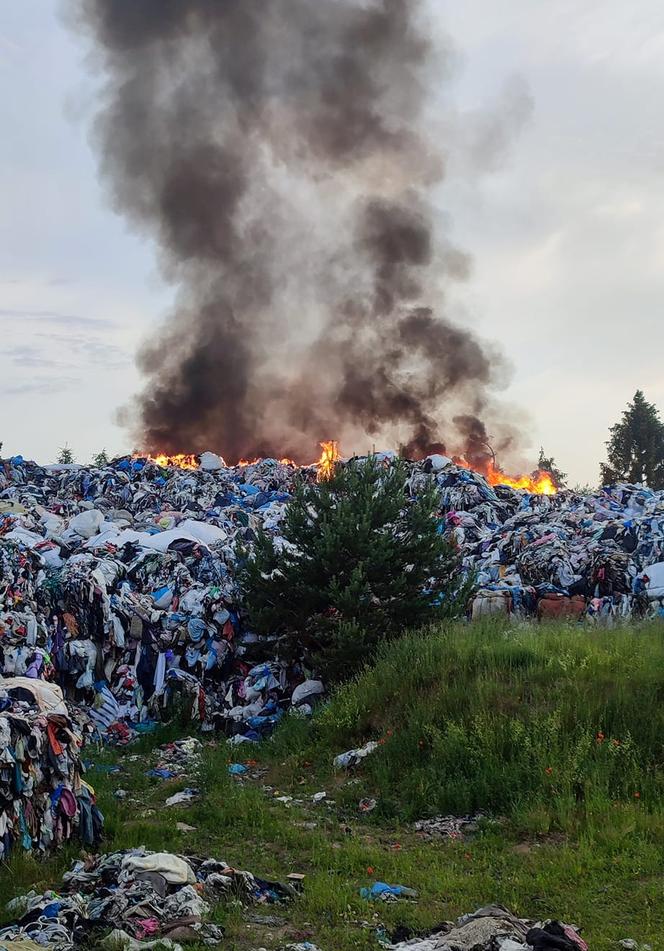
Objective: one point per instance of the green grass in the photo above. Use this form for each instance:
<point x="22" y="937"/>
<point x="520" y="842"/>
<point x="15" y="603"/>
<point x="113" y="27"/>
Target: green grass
<point x="564" y="720"/>
<point x="495" y="710"/>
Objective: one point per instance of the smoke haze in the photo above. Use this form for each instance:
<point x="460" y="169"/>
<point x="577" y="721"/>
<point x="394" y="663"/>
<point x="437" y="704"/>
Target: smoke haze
<point x="282" y="157"/>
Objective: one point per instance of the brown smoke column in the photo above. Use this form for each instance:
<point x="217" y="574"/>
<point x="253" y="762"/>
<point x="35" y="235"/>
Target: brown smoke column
<point x="278" y="153"/>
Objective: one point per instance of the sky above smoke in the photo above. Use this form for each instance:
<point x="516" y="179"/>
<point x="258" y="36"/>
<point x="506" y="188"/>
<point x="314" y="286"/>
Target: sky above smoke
<point x="546" y="241"/>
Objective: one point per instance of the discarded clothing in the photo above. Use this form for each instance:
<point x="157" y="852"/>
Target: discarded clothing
<point x="385" y="892"/>
<point x="134" y="894"/>
<point x="44" y="799"/>
<point x="353" y="757"/>
<point x="494" y="928"/>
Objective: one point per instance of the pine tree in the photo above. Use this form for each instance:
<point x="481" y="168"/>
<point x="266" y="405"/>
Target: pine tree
<point x="360" y="562"/>
<point x="66" y="456"/>
<point x="548" y="464"/>
<point x="635" y="451"/>
<point x="583" y="488"/>
<point x="101" y="459"/>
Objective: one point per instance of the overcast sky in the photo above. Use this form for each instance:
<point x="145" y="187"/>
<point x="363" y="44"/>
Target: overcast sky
<point x="566" y="232"/>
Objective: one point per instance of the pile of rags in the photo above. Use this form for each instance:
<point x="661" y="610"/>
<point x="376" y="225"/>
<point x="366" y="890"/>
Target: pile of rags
<point x="44" y="800"/>
<point x="134" y="895"/>
<point x="494" y="928"/>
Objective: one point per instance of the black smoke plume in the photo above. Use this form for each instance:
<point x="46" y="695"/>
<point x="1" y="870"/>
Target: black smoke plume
<point x="280" y="154"/>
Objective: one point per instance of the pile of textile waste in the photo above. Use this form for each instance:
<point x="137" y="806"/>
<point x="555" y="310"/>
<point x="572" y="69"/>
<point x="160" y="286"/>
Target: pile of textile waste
<point x="120" y="583"/>
<point x="135" y="896"/>
<point x="598" y="556"/>
<point x="44" y="800"/>
<point x="494" y="928"/>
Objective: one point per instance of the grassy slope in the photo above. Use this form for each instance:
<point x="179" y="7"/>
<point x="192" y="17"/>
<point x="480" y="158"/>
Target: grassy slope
<point x="512" y="721"/>
<point x="575" y="843"/>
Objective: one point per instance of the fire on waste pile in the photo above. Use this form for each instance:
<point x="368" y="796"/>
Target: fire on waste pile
<point x="119" y="583"/>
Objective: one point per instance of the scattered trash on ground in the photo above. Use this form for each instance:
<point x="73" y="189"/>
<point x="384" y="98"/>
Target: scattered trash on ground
<point x="144" y="894"/>
<point x="353" y="757"/>
<point x="385" y="892"/>
<point x="301" y="946"/>
<point x="493" y="928"/>
<point x="184" y="797"/>
<point x="449" y="827"/>
<point x="178" y="758"/>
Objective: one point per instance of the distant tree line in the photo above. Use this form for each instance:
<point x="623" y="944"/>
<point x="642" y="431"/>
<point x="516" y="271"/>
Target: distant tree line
<point x="635" y="450"/>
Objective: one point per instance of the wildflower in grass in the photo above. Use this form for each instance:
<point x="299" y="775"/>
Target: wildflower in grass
<point x="548" y="770"/>
<point x="390" y="733"/>
<point x="370" y="869"/>
<point x="600" y="737"/>
<point x="637" y="795"/>
<point x="616" y="742"/>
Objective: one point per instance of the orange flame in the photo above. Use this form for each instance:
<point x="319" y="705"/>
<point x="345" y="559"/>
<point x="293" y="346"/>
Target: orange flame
<point x="328" y="460"/>
<point x="539" y="483"/>
<point x="181" y="460"/>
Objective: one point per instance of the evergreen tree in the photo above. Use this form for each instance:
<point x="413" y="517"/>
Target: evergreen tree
<point x="101" y="459"/>
<point x="548" y="464"/>
<point x="360" y="562"/>
<point x="584" y="488"/>
<point x="66" y="456"/>
<point x="635" y="451"/>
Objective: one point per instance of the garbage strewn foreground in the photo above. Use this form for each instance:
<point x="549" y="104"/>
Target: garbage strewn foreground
<point x="123" y="899"/>
<point x="494" y="928"/>
<point x="118" y="586"/>
<point x="130" y="899"/>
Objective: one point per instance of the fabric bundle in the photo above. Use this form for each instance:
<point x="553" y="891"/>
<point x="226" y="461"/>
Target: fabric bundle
<point x="133" y="895"/>
<point x="44" y="800"/>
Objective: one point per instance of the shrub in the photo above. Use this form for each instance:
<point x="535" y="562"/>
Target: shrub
<point x="359" y="562"/>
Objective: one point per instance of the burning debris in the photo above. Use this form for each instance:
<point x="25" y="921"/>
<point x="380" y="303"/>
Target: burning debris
<point x="283" y="158"/>
<point x="180" y="460"/>
<point x="324" y="466"/>
<point x="328" y="460"/>
<point x="538" y="483"/>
